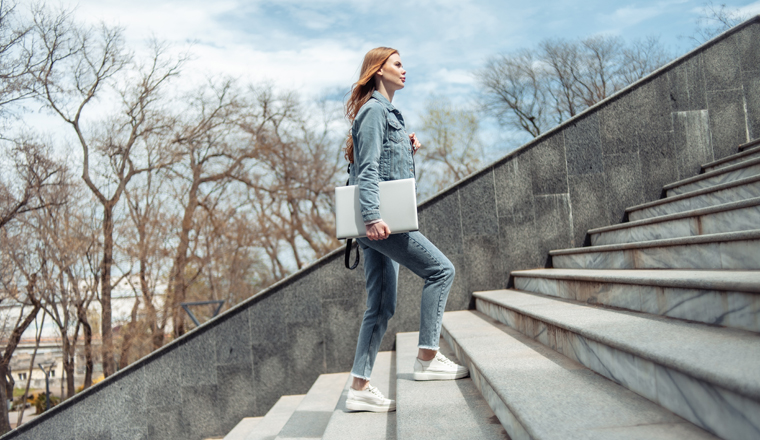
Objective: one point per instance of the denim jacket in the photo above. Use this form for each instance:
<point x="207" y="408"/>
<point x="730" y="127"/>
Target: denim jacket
<point x="382" y="151"/>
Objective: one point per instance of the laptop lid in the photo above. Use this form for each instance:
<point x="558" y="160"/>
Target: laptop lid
<point x="398" y="208"/>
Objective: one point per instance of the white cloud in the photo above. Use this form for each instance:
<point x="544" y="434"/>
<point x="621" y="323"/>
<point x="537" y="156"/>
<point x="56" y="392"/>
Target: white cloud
<point x="751" y="9"/>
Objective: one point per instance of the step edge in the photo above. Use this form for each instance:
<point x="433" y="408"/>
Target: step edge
<point x="695" y="193"/>
<point x="616" y="278"/>
<point x="713" y="173"/>
<point x="730" y="384"/>
<point x="473" y="367"/>
<point x="749" y="144"/>
<point x="500" y="394"/>
<point x="739" y="155"/>
<point x="751" y="234"/>
<point x="724" y="207"/>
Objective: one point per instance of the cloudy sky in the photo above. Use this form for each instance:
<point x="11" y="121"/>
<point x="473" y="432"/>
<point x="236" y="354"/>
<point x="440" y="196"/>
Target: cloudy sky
<point x="316" y="46"/>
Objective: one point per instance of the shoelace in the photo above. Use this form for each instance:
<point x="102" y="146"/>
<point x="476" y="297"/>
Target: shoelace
<point x="444" y="360"/>
<point x="375" y="391"/>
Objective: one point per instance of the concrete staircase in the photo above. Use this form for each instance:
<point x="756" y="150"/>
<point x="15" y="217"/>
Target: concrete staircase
<point x="651" y="332"/>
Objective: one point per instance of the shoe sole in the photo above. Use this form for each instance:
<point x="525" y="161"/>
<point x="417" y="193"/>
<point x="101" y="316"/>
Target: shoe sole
<point x="364" y="406"/>
<point x="434" y="375"/>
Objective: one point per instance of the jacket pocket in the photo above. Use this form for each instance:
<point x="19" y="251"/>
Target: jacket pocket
<point x="395" y="130"/>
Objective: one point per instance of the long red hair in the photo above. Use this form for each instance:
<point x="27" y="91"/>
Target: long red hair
<point x="362" y="90"/>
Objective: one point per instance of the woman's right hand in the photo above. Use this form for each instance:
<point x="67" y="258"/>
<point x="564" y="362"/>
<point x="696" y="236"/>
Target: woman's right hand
<point x="378" y="231"/>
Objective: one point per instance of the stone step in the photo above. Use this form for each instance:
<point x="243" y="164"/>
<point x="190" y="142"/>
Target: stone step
<point x="540" y="394"/>
<point x="725" y="298"/>
<point x="447" y="409"/>
<point x="716" y="177"/>
<point x="242" y="429"/>
<point x="735" y="191"/>
<point x="272" y="423"/>
<point x="311" y="417"/>
<point x="747" y="154"/>
<point x="346" y="425"/>
<point x="707" y="375"/>
<point x="724" y="251"/>
<point x="728" y="217"/>
<point x="749" y="144"/>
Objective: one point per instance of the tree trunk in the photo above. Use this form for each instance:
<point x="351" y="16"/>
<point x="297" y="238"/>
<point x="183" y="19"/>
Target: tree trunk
<point x="107" y="353"/>
<point x="5" y="424"/>
<point x="180" y="260"/>
<point x="88" y="362"/>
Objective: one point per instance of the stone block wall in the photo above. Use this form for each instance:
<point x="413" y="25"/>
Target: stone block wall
<point x="508" y="216"/>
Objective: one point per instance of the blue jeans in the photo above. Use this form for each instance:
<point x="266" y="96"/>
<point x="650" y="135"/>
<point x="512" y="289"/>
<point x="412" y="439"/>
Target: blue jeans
<point x="381" y="263"/>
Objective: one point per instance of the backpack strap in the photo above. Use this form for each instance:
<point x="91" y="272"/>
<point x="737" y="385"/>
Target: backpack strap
<point x="349" y="243"/>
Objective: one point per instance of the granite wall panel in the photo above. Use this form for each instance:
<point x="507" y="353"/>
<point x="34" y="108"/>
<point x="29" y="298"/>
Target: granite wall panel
<point x="519" y="248"/>
<point x="553" y="226"/>
<point x="584" y="146"/>
<point x="728" y="124"/>
<point x="687" y="85"/>
<point x="541" y="197"/>
<point x="441" y="223"/>
<point x="341" y="320"/>
<point x="482" y="263"/>
<point x="232" y="340"/>
<point x="659" y="163"/>
<point x="749" y="50"/>
<point x="653" y="106"/>
<point x="548" y="165"/>
<point x="478" y="207"/>
<point x="514" y="191"/>
<point x="751" y="90"/>
<point x="722" y="65"/>
<point x="617" y="128"/>
<point x="624" y="185"/>
<point x="692" y="141"/>
<point x="588" y="204"/>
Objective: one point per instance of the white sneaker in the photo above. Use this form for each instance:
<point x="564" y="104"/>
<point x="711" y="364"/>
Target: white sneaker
<point x="438" y="368"/>
<point x="370" y="399"/>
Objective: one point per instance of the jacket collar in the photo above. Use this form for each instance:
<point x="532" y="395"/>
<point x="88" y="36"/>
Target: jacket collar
<point x="383" y="100"/>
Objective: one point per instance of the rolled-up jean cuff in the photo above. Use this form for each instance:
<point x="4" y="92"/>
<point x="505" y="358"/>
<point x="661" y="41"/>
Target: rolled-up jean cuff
<point x="359" y="377"/>
<point x="428" y="347"/>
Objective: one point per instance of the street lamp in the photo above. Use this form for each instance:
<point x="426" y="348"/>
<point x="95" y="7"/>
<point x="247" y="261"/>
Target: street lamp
<point x="47" y="383"/>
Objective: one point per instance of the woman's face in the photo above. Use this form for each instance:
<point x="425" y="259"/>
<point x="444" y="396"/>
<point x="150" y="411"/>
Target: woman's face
<point x="392" y="74"/>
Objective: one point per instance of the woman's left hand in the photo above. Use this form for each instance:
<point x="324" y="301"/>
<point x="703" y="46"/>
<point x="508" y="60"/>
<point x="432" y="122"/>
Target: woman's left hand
<point x="416" y="145"/>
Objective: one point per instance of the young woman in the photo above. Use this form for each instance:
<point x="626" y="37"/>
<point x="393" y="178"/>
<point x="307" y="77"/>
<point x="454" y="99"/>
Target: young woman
<point x="380" y="149"/>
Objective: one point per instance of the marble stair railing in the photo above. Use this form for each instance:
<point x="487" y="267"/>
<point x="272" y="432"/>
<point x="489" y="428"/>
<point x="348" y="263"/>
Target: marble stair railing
<point x="728" y="217"/>
<point x="540" y="394"/>
<point x="722" y="298"/>
<point x="705" y="374"/>
<point x="730" y="173"/>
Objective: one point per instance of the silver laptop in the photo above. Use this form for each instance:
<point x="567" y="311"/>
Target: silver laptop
<point x="398" y="208"/>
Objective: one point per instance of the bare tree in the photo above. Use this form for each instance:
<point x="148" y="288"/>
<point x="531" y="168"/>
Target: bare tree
<point x="82" y="65"/>
<point x="452" y="149"/>
<point x="20" y="289"/>
<point x="30" y="184"/>
<point x="67" y="238"/>
<point x="533" y="90"/>
<point x="298" y="166"/>
<point x="19" y="58"/>
<point x="714" y="20"/>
